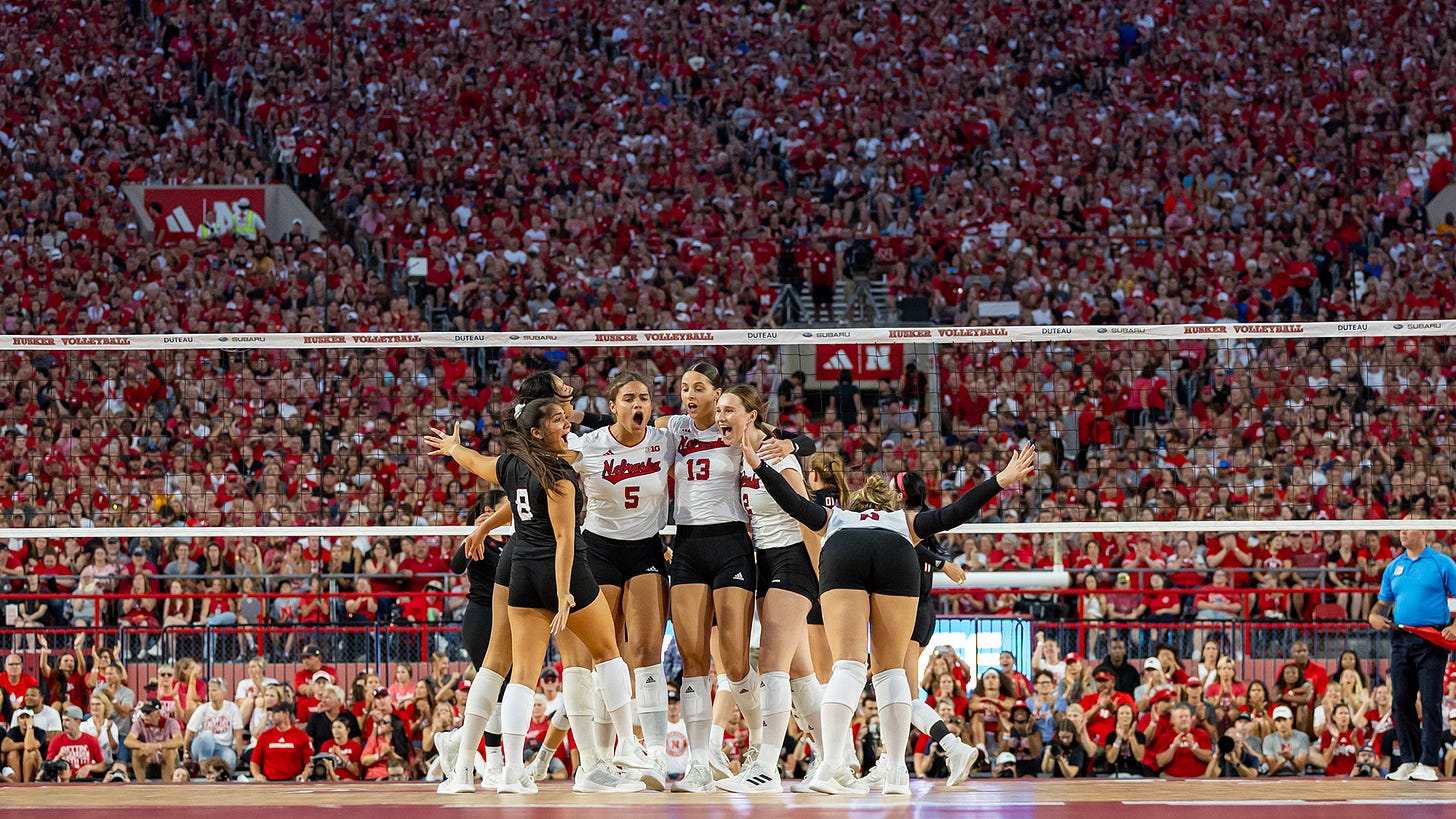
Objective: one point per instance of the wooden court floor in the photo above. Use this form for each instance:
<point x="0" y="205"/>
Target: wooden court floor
<point x="1312" y="798"/>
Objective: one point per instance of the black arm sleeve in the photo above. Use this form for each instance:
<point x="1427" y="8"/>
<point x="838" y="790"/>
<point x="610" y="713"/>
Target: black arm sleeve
<point x="804" y="446"/>
<point x="929" y="555"/>
<point x="458" y="561"/>
<point x="595" y="420"/>
<point x="799" y="507"/>
<point x="933" y="521"/>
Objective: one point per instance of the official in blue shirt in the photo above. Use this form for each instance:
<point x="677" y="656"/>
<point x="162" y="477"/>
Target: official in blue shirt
<point x="1414" y="589"/>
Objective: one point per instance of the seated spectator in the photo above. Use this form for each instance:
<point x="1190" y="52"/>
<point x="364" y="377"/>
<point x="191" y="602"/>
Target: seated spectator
<point x="1184" y="751"/>
<point x="330" y="709"/>
<point x="215" y="729"/>
<point x="1286" y="750"/>
<point x="346" y="748"/>
<point x="1124" y="675"/>
<point x="1022" y="739"/>
<point x="1339" y="745"/>
<point x="15" y="681"/>
<point x="283" y="751"/>
<point x="100" y="724"/>
<point x="1101" y="706"/>
<point x="1124" y="747"/>
<point x="79" y="750"/>
<point x="24" y="747"/>
<point x="155" y="739"/>
<point x="1064" y="757"/>
<point x="990" y="707"/>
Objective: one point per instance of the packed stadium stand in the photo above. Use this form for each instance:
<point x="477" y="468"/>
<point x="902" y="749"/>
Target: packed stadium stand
<point x="665" y="165"/>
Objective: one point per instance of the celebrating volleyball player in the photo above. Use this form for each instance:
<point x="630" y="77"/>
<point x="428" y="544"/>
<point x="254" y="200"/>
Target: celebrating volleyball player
<point x="788" y="588"/>
<point x="960" y="757"/>
<point x="624" y="470"/>
<point x="712" y="571"/>
<point x="869" y="576"/>
<point x="551" y="587"/>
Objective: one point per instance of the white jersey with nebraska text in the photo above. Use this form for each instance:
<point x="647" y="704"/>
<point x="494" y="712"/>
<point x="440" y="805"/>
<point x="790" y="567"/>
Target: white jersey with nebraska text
<point x="773" y="528"/>
<point x="625" y="486"/>
<point x="841" y="519"/>
<point x="705" y="479"/>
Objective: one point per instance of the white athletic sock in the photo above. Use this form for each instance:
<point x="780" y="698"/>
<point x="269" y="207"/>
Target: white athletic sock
<point x="808" y="695"/>
<point x="777" y="702"/>
<point x="892" y="692"/>
<point x="616" y="682"/>
<point x="577" y="696"/>
<point x="717" y="734"/>
<point x="515" y="721"/>
<point x="602" y="731"/>
<point x="745" y="694"/>
<point x="841" y="698"/>
<point x="480" y="705"/>
<point x="561" y="722"/>
<point x="697" y="713"/>
<point x="494" y="759"/>
<point x="652" y="706"/>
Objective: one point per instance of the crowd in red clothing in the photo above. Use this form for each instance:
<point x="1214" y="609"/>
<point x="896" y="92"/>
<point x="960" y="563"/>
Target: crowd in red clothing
<point x="1119" y="166"/>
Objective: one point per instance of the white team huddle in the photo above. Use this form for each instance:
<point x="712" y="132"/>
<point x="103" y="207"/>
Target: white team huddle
<point x="749" y="543"/>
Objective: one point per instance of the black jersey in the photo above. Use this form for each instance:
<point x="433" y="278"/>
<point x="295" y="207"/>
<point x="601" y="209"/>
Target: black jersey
<point x="534" y="536"/>
<point x="482" y="572"/>
<point x="827" y="497"/>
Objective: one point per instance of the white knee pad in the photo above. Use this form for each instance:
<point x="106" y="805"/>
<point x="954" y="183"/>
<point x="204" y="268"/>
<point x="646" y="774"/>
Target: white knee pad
<point x="891" y="687"/>
<point x="778" y="697"/>
<point x="847" y="683"/>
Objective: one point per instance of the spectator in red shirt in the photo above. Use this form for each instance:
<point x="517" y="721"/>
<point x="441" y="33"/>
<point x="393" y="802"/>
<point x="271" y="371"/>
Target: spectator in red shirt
<point x="313" y="663"/>
<point x="80" y="751"/>
<point x="1184" y="751"/>
<point x="15" y="680"/>
<point x="1020" y="684"/>
<point x="1101" y="705"/>
<point x="1339" y="743"/>
<point x="347" y="749"/>
<point x="418" y="563"/>
<point x="282" y="752"/>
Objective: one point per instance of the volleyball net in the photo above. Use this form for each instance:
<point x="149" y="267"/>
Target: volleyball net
<point x="1269" y="442"/>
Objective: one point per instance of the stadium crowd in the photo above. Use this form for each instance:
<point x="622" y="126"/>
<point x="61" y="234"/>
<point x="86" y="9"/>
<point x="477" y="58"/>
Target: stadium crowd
<point x="1225" y="163"/>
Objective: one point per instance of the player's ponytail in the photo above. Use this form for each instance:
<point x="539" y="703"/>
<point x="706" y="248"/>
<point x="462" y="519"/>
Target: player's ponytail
<point x="875" y="494"/>
<point x="831" y="471"/>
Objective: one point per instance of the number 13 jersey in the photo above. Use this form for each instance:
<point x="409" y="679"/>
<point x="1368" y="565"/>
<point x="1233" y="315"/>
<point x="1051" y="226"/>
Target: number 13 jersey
<point x="626" y="486"/>
<point x="705" y="479"/>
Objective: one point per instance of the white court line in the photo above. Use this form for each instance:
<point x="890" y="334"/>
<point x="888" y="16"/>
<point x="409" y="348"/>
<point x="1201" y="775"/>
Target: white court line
<point x="1303" y="802"/>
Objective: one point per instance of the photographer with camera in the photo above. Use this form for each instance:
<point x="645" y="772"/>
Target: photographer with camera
<point x="79" y="751"/>
<point x="1367" y="765"/>
<point x="345" y="750"/>
<point x="1064" y="757"/>
<point x="859" y="263"/>
<point x="1234" y="759"/>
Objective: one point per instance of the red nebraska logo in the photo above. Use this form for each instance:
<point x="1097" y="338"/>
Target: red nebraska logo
<point x="750" y="482"/>
<point x="688" y="447"/>
<point x="618" y="471"/>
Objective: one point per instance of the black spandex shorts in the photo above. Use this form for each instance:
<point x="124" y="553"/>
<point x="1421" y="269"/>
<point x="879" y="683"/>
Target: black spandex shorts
<point x="614" y="562"/>
<point x="789" y="569"/>
<point x="475" y="631"/>
<point x="503" y="568"/>
<point x="870" y="561"/>
<point x="924" y="622"/>
<point x="533" y="583"/>
<point x="718" y="555"/>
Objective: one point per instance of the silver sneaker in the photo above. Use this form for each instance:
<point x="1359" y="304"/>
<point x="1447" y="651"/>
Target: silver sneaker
<point x="749" y="760"/>
<point x="448" y="744"/>
<point x="718" y="762"/>
<point x="654" y="777"/>
<point x="894" y="780"/>
<point x="698" y="780"/>
<point x="876" y="777"/>
<point x="1403" y="773"/>
<point x="802" y="786"/>
<point x="517" y="781"/>
<point x="492" y="777"/>
<point x="754" y="779"/>
<point x="631" y="755"/>
<point x="841" y="781"/>
<point x="451" y="785"/>
<point x="961" y="760"/>
<point x="1425" y="773"/>
<point x="603" y="778"/>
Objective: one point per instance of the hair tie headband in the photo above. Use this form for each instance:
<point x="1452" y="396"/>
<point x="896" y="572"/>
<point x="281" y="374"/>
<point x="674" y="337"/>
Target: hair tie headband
<point x="520" y="408"/>
<point x="900" y="482"/>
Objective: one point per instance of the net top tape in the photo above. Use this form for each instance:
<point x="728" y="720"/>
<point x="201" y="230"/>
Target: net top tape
<point x="734" y="338"/>
<point x="1067" y="527"/>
